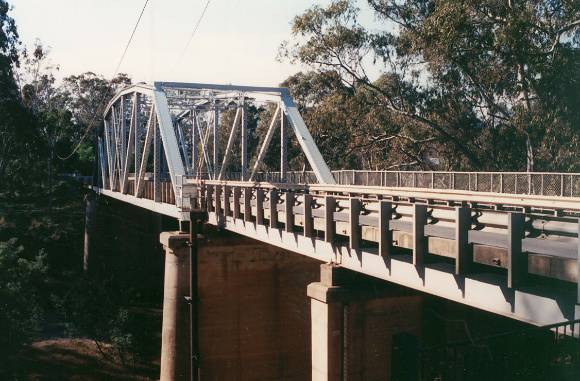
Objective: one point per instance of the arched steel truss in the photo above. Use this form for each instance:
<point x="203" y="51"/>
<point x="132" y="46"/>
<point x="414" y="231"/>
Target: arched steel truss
<point x="169" y="131"/>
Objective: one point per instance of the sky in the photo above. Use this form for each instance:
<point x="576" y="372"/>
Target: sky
<point x="237" y="41"/>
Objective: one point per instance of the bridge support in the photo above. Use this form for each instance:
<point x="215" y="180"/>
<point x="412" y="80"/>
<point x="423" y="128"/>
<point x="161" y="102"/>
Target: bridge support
<point x="90" y="214"/>
<point x="353" y="324"/>
<point x="175" y="340"/>
<point x="327" y="305"/>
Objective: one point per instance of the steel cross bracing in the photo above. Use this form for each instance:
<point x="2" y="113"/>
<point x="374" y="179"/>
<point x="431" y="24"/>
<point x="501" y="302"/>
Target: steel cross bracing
<point x="512" y="254"/>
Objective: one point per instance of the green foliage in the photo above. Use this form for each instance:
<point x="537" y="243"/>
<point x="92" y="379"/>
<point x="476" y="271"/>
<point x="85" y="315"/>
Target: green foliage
<point x="96" y="308"/>
<point x="15" y="125"/>
<point x="462" y="82"/>
<point x="20" y="308"/>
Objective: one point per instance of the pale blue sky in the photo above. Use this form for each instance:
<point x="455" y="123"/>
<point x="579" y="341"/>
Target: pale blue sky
<point x="237" y="41"/>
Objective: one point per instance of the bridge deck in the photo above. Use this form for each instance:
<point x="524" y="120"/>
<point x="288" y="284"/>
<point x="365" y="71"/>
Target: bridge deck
<point x="503" y="242"/>
<point x="479" y="249"/>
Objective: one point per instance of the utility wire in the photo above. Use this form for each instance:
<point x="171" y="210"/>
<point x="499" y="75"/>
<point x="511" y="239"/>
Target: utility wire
<point x="194" y="31"/>
<point x="106" y="94"/>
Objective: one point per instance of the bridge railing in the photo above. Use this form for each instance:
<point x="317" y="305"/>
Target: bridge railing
<point x="528" y="183"/>
<point x="531" y="183"/>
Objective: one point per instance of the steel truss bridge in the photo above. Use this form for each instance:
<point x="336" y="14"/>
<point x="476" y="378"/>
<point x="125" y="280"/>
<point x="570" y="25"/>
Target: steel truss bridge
<point x="501" y="242"/>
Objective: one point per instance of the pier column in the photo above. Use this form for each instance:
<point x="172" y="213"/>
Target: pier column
<point x="90" y="213"/>
<point x="327" y="305"/>
<point x="354" y="321"/>
<point x="175" y="338"/>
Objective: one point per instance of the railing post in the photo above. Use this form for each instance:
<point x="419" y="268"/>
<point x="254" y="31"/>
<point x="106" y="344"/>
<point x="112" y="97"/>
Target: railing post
<point x="202" y="197"/>
<point x="248" y="204"/>
<point x="218" y="201"/>
<point x="308" y="221"/>
<point x="562" y="185"/>
<point x="226" y="192"/>
<point x="463" y="257"/>
<point x="419" y="240"/>
<point x="259" y="206"/>
<point x="273" y="208"/>
<point x="517" y="266"/>
<point x="385" y="232"/>
<point x="209" y="199"/>
<point x="236" y="194"/>
<point x="355" y="230"/>
<point x="329" y="226"/>
<point x="289" y="209"/>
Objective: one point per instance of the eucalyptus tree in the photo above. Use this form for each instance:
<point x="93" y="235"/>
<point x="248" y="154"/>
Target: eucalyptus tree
<point x="15" y="125"/>
<point x="85" y="96"/>
<point x="477" y="84"/>
<point x="41" y="96"/>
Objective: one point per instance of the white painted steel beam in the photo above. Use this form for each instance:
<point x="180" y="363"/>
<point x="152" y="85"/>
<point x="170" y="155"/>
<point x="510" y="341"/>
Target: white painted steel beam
<point x="317" y="163"/>
<point x="230" y="144"/>
<point x="129" y="150"/>
<point x="139" y="181"/>
<point x="168" y="136"/>
<point x="266" y="143"/>
<point x="156" y="207"/>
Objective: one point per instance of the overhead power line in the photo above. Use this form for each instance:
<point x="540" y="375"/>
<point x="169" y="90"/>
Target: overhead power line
<point x="106" y="94"/>
<point x="193" y="32"/>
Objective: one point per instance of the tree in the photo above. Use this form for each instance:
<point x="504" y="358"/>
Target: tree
<point x="85" y="96"/>
<point x="20" y="279"/>
<point x="67" y="114"/>
<point x="42" y="97"/>
<point x="459" y="77"/>
<point x="16" y="132"/>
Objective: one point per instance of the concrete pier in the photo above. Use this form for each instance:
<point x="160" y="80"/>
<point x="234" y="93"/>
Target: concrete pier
<point x="268" y="314"/>
<point x="175" y="338"/>
<point x="90" y="216"/>
<point x="354" y="321"/>
<point x="253" y="310"/>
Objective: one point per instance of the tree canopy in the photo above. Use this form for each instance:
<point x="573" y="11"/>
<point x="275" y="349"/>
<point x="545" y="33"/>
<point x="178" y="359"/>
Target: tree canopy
<point x="463" y="85"/>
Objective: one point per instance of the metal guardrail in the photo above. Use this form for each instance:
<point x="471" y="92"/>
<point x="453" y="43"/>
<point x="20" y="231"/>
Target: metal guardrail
<point x="527" y="183"/>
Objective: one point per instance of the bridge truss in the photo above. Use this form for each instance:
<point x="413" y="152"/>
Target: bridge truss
<point x="173" y="148"/>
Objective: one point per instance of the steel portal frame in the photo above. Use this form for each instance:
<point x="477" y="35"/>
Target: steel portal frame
<point x="183" y="123"/>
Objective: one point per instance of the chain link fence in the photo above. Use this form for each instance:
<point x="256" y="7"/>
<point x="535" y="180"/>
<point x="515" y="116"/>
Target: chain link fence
<point x="533" y="183"/>
<point x="528" y="183"/>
